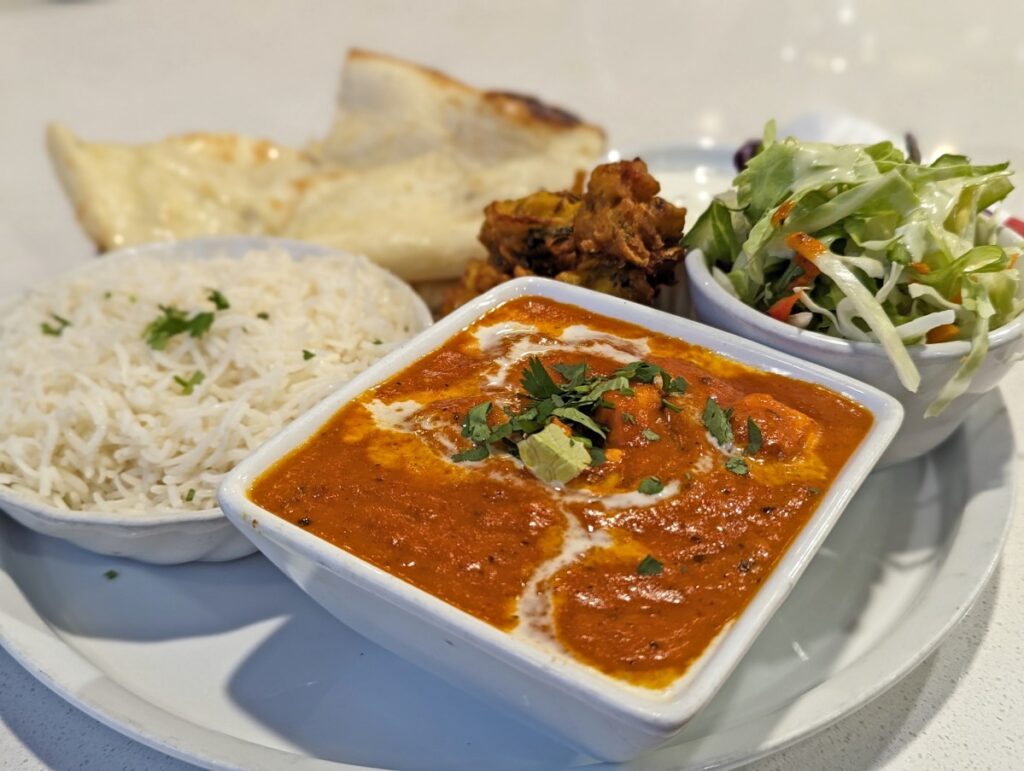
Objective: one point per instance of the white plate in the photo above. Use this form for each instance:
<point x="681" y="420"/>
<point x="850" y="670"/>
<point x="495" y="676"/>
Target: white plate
<point x="230" y="666"/>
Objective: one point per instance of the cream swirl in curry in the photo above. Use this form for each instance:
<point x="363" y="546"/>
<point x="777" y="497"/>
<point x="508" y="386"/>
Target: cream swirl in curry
<point x="701" y="472"/>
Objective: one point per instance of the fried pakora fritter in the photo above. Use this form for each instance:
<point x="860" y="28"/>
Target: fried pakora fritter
<point x="618" y="237"/>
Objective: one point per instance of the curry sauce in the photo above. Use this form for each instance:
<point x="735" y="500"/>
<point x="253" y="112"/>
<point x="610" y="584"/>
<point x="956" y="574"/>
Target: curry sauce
<point x="636" y="564"/>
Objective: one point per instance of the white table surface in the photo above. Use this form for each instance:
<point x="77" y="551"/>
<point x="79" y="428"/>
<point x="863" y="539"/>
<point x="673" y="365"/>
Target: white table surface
<point x="651" y="74"/>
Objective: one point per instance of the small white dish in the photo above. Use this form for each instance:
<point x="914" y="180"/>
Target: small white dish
<point x="713" y="305"/>
<point x="166" y="538"/>
<point x="604" y="717"/>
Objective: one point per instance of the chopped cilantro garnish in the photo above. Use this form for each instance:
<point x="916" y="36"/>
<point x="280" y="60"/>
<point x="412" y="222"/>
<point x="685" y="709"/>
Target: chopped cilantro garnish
<point x="645" y="372"/>
<point x="190" y="495"/>
<point x="188" y="386"/>
<point x="476" y="452"/>
<point x="575" y="374"/>
<point x="55" y="331"/>
<point x="537" y="382"/>
<point x="651" y="486"/>
<point x="627" y="417"/>
<point x="475" y="425"/>
<point x="737" y="466"/>
<point x="716" y="421"/>
<point x="574" y="402"/>
<point x="307" y="355"/>
<point x="651" y="436"/>
<point x="263" y="315"/>
<point x="574" y="415"/>
<point x="754" y="438"/>
<point x="649" y="567"/>
<point x="175" y="322"/>
<point x="669" y="405"/>
<point x="640" y="371"/>
<point x="110" y="575"/>
<point x="219" y="300"/>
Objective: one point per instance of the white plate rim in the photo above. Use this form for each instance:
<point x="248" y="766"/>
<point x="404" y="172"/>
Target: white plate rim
<point x="58" y="666"/>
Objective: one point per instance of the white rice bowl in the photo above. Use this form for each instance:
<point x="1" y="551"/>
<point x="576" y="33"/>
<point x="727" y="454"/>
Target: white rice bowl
<point x="93" y="421"/>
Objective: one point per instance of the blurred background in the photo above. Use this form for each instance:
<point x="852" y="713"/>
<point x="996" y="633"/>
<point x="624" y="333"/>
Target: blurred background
<point x="652" y="73"/>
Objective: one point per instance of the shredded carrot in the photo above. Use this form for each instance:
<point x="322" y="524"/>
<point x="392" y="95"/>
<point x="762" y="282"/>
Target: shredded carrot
<point x="1016" y="225"/>
<point x="811" y="271"/>
<point x="782" y="212"/>
<point x="943" y="333"/>
<point x="781" y="309"/>
<point x="806" y="246"/>
<point x="921" y="267"/>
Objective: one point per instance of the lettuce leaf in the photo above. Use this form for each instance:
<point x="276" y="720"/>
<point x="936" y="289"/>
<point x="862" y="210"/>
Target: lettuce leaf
<point x="909" y="245"/>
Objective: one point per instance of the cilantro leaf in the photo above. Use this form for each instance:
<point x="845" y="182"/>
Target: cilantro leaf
<point x="643" y="372"/>
<point x="188" y="386"/>
<point x="649" y="567"/>
<point x="651" y="436"/>
<point x="575" y="374"/>
<point x="575" y="416"/>
<point x="55" y="331"/>
<point x="674" y="407"/>
<point x="627" y="417"/>
<point x="716" y="421"/>
<point x="200" y="324"/>
<point x="475" y="425"/>
<point x="476" y="452"/>
<point x="307" y="355"/>
<point x="617" y="383"/>
<point x="175" y="322"/>
<point x="737" y="466"/>
<point x="754" y="437"/>
<point x="597" y="456"/>
<point x="651" y="486"/>
<point x="536" y="381"/>
<point x="219" y="300"/>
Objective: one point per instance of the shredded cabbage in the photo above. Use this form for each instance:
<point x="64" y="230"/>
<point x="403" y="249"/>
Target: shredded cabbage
<point x="905" y="248"/>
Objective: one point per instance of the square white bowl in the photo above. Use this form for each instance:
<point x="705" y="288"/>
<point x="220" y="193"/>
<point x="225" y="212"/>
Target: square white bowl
<point x="604" y="717"/>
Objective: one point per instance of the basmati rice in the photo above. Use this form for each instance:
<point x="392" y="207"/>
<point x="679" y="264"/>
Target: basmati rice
<point x="92" y="417"/>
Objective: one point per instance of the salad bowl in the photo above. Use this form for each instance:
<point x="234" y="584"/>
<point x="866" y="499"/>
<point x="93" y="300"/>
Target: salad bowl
<point x="870" y="261"/>
<point x="712" y="304"/>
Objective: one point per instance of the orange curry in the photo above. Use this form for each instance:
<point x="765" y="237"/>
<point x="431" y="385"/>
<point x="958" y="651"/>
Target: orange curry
<point x="636" y="564"/>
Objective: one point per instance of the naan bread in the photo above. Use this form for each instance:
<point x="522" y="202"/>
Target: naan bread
<point x="403" y="176"/>
<point x="191" y="185"/>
